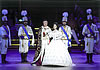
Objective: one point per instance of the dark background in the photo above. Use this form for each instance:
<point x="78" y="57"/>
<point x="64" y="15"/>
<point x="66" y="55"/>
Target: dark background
<point x="46" y="9"/>
<point x="52" y="10"/>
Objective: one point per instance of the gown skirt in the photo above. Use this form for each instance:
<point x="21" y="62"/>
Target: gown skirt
<point x="56" y="53"/>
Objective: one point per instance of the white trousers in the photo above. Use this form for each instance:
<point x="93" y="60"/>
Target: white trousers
<point x="23" y="48"/>
<point x="89" y="44"/>
<point x="4" y="46"/>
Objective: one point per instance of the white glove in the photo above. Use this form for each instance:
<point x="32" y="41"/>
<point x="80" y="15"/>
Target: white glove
<point x="89" y="35"/>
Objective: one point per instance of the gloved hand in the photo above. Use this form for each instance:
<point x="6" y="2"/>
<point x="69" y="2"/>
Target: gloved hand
<point x="89" y="35"/>
<point x="22" y="37"/>
<point x="6" y="36"/>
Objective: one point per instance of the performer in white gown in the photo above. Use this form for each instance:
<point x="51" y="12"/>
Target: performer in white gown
<point x="56" y="53"/>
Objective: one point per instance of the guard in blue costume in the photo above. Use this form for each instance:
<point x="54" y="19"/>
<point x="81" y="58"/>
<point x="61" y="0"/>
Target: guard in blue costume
<point x="4" y="36"/>
<point x="66" y="32"/>
<point x="89" y="32"/>
<point x="25" y="33"/>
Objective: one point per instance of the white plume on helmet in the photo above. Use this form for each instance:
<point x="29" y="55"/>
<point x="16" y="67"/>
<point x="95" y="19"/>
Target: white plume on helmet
<point x="23" y="12"/>
<point x="65" y="15"/>
<point x="89" y="11"/>
<point x="89" y="16"/>
<point x="4" y="11"/>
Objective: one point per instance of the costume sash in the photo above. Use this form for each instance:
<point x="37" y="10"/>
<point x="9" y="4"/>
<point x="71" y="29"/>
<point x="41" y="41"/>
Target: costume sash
<point x="66" y="35"/>
<point x="26" y="34"/>
<point x="6" y="30"/>
<point x="91" y="31"/>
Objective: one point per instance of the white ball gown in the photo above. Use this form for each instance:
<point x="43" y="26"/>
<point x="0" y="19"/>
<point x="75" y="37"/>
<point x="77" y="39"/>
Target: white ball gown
<point x="56" y="53"/>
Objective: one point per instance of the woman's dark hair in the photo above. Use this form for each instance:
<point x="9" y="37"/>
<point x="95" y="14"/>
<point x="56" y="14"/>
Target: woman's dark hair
<point x="56" y="24"/>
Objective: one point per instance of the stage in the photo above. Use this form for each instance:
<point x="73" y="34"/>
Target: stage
<point x="79" y="58"/>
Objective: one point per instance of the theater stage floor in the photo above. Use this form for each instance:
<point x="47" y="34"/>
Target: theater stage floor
<point x="79" y="58"/>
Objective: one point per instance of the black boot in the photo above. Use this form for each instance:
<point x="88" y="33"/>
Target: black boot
<point x="91" y="55"/>
<point x="3" y="56"/>
<point x="87" y="58"/>
<point x="22" y="57"/>
<point x="25" y="57"/>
